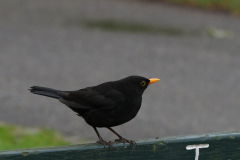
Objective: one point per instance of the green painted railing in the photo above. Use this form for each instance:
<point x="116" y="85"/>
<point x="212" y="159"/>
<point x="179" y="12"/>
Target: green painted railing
<point x="220" y="146"/>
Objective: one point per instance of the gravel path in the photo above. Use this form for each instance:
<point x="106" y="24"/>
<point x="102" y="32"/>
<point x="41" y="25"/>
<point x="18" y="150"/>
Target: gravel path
<point x="45" y="43"/>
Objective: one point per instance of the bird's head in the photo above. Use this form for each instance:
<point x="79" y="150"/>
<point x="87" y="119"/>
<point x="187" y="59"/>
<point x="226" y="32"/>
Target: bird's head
<point x="135" y="84"/>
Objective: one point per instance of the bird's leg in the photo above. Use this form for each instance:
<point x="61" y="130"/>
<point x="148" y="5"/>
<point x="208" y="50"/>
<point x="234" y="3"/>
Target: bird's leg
<point x="101" y="140"/>
<point x="121" y="139"/>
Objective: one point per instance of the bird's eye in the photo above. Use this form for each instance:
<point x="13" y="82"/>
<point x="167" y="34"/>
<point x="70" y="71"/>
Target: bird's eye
<point x="143" y="83"/>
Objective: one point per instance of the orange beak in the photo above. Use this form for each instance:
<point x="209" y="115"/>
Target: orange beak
<point x="153" y="80"/>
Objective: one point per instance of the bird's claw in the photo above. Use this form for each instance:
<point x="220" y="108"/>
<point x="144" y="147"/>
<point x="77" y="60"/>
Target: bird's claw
<point x="109" y="143"/>
<point x="123" y="140"/>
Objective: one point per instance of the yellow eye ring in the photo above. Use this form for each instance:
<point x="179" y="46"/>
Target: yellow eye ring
<point x="143" y="83"/>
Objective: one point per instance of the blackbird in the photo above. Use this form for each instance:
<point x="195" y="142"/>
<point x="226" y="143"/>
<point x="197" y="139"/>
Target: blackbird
<point x="106" y="105"/>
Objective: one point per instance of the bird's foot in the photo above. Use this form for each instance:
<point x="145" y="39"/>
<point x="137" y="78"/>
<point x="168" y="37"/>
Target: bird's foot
<point x="123" y="140"/>
<point x="109" y="143"/>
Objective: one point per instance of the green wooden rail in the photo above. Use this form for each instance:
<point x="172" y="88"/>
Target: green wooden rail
<point x="220" y="146"/>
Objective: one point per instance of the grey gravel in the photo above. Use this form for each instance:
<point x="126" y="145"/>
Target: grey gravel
<point x="200" y="75"/>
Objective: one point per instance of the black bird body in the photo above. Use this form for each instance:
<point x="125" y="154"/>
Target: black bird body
<point x="106" y="105"/>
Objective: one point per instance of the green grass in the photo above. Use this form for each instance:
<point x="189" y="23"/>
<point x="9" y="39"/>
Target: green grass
<point x="120" y="26"/>
<point x="15" y="137"/>
<point x="232" y="6"/>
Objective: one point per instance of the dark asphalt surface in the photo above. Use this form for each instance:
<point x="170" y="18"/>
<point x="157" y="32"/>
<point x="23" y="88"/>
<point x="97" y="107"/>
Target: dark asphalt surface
<point x="43" y="43"/>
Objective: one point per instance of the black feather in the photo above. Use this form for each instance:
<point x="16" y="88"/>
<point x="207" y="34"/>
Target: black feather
<point x="48" y="92"/>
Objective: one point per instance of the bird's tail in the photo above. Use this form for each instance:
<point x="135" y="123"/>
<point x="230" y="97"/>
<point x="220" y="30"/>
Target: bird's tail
<point x="45" y="91"/>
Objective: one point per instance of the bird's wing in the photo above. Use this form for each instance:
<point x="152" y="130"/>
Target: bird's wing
<point x="88" y="99"/>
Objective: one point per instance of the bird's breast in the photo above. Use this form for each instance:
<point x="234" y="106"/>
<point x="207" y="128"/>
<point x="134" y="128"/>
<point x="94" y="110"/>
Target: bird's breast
<point x="118" y="115"/>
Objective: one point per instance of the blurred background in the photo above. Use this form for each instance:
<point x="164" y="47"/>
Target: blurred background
<point x="191" y="45"/>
